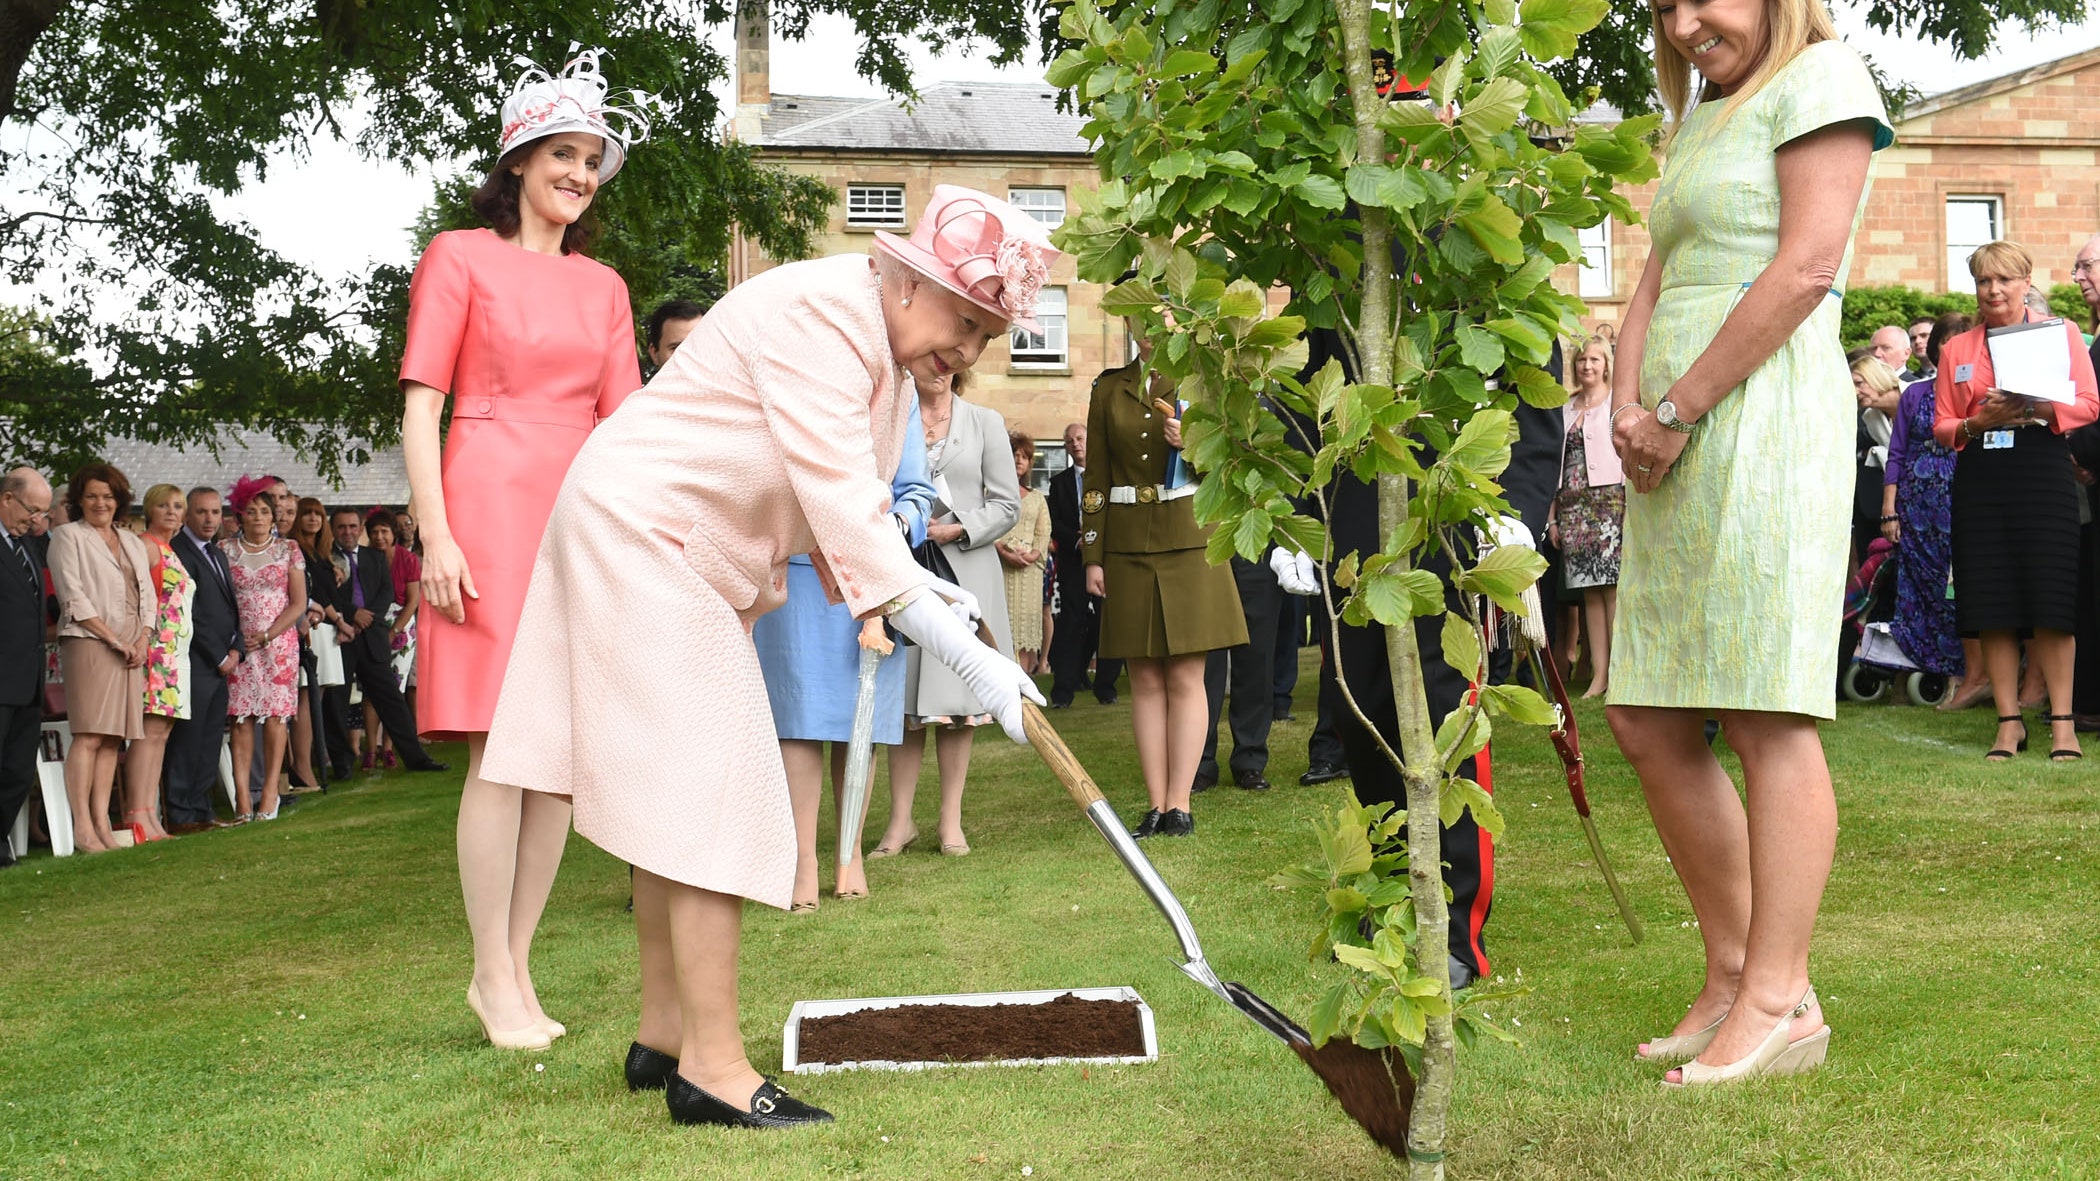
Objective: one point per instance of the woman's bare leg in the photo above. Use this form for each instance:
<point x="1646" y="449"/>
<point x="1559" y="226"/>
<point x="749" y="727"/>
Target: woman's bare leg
<point x="1705" y="833"/>
<point x="852" y="876"/>
<point x="104" y="783"/>
<point x="805" y="776"/>
<point x="1148" y="723"/>
<point x="2001" y="655"/>
<point x="661" y="1027"/>
<point x="491" y="819"/>
<point x="706" y="928"/>
<point x="80" y="789"/>
<point x="302" y="750"/>
<point x="905" y="760"/>
<point x="2057" y="653"/>
<point x="1596" y="624"/>
<point x="1188" y="715"/>
<point x="142" y="764"/>
<point x="273" y="758"/>
<point x="543" y="836"/>
<point x="1792" y="824"/>
<point x="951" y="749"/>
<point x="240" y="742"/>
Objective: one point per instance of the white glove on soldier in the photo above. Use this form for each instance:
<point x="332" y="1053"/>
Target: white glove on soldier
<point x="998" y="682"/>
<point x="1295" y="571"/>
<point x="961" y="602"/>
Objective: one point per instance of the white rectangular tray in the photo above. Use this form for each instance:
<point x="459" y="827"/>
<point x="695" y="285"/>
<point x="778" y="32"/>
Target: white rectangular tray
<point x="791" y="1036"/>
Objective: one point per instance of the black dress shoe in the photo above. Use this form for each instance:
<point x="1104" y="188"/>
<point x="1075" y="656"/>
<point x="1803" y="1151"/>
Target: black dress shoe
<point x="1056" y="704"/>
<point x="770" y="1107"/>
<point x="429" y="765"/>
<point x="1176" y="823"/>
<point x="7" y="854"/>
<point x="342" y="772"/>
<point x="1147" y="826"/>
<point x="1252" y="781"/>
<point x="1108" y="698"/>
<point x="649" y="1070"/>
<point x="1322" y="773"/>
<point x="1204" y="781"/>
<point x="1461" y="973"/>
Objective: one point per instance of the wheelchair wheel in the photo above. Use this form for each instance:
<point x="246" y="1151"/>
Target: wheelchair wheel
<point x="1865" y="684"/>
<point x="1927" y="688"/>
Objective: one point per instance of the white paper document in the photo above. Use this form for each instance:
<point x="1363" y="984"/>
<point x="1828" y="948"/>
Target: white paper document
<point x="2033" y="360"/>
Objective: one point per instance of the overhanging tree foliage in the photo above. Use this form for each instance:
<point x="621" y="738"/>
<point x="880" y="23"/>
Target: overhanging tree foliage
<point x="120" y="120"/>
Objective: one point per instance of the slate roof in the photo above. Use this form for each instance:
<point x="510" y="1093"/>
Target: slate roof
<point x="1003" y="118"/>
<point x="243" y="452"/>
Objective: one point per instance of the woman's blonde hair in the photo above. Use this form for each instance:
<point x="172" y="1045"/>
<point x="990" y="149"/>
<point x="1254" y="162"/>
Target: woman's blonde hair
<point x="159" y="493"/>
<point x="2001" y="260"/>
<point x="1877" y="374"/>
<point x="1790" y="27"/>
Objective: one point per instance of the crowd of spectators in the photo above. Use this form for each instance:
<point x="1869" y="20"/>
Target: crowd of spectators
<point x="179" y="645"/>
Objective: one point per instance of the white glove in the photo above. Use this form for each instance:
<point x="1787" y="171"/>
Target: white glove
<point x="961" y="602"/>
<point x="1296" y="572"/>
<point x="998" y="682"/>
<point x="1504" y="531"/>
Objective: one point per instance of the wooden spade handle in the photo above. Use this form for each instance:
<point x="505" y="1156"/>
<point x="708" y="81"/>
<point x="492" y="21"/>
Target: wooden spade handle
<point x="1058" y="756"/>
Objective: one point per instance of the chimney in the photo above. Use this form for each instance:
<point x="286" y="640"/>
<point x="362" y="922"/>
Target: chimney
<point x="754" y="80"/>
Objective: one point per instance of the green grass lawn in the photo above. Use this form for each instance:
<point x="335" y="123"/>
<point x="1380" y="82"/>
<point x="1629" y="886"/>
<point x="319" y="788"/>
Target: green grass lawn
<point x="285" y="1000"/>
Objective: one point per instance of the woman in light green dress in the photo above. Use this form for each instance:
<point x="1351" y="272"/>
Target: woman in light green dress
<point x="1732" y="412"/>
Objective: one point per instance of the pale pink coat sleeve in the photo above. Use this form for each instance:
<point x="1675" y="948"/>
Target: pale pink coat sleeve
<point x="815" y="380"/>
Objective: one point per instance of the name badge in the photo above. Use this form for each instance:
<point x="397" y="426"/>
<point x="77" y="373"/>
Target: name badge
<point x="1997" y="440"/>
<point x="1964" y="372"/>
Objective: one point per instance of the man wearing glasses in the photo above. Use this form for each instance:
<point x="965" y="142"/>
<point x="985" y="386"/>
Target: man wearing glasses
<point x="25" y="497"/>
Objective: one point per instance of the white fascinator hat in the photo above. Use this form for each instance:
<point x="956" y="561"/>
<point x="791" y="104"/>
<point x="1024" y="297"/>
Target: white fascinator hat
<point x="577" y="99"/>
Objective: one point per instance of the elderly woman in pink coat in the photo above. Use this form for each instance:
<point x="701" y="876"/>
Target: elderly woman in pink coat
<point x="773" y="431"/>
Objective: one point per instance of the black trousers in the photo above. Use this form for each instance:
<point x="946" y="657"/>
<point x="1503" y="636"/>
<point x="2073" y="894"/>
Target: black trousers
<point x="1469" y="855"/>
<point x="376" y="677"/>
<point x="1072" y="647"/>
<point x="1290" y="636"/>
<point x="2085" y="678"/>
<point x="193" y="747"/>
<point x="21" y="728"/>
<point x="1249" y="672"/>
<point x="1325" y="743"/>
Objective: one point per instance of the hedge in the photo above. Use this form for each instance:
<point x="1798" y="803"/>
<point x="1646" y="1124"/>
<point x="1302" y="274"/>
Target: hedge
<point x="1869" y="308"/>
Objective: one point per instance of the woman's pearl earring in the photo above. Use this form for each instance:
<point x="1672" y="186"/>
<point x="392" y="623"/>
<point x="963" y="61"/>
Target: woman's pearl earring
<point x="905" y="302"/>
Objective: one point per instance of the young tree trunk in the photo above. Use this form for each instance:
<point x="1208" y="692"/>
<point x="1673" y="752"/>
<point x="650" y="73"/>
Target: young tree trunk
<point x="1374" y="344"/>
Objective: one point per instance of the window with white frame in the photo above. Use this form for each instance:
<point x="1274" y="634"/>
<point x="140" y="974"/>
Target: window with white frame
<point x="1045" y="349"/>
<point x="1595" y="282"/>
<point x="874" y="207"/>
<point x="1971" y="222"/>
<point x="1044" y="205"/>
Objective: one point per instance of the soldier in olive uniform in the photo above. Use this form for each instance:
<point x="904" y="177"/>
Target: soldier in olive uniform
<point x="1164" y="608"/>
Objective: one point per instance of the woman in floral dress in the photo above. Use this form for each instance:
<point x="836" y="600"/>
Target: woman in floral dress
<point x="269" y="585"/>
<point x="1587" y="515"/>
<point x="167" y="659"/>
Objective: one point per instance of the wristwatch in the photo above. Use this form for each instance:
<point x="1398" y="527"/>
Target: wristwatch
<point x="1666" y="414"/>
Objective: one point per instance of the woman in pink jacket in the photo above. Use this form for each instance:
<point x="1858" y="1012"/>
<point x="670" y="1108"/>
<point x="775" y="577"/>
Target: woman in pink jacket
<point x="1590" y="509"/>
<point x="774" y="430"/>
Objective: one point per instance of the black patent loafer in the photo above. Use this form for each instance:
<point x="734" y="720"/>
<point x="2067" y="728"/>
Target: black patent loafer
<point x="1147" y="826"/>
<point x="1176" y="823"/>
<point x="1252" y="781"/>
<point x="770" y="1107"/>
<point x="649" y="1070"/>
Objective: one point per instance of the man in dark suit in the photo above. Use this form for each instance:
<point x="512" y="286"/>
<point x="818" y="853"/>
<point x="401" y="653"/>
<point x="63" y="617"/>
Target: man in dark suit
<point x="1078" y="628"/>
<point x="25" y="496"/>
<point x="358" y="590"/>
<point x="215" y="648"/>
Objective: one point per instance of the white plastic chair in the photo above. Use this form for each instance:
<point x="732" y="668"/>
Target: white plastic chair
<point x="58" y="814"/>
<point x="233" y="793"/>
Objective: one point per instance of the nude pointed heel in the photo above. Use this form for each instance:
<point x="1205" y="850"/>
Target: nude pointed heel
<point x="530" y="1037"/>
<point x="1676" y="1048"/>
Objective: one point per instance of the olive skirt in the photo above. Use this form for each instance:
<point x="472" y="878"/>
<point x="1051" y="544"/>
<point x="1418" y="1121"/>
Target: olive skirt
<point x="1168" y="604"/>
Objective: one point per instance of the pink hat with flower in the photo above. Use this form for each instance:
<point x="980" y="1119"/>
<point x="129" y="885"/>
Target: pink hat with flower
<point x="982" y="249"/>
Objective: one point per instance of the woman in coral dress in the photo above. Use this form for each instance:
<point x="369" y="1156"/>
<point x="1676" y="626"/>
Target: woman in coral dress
<point x="534" y="344"/>
<point x="774" y="430"/>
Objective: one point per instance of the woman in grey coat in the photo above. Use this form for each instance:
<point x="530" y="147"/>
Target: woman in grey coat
<point x="976" y="500"/>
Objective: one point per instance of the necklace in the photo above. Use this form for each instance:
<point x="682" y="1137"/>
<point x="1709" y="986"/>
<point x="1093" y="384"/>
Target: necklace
<point x="936" y="425"/>
<point x="253" y="549"/>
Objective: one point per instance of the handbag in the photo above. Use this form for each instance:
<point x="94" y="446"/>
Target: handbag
<point x="328" y="655"/>
<point x="932" y="559"/>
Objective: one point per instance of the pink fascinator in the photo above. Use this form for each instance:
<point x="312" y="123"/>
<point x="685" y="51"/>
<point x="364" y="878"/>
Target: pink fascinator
<point x="577" y="99"/>
<point x="981" y="248"/>
<point x="245" y="490"/>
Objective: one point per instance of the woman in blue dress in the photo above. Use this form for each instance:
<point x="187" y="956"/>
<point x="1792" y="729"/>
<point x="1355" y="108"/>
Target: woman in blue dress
<point x="1917" y="513"/>
<point x="809" y="651"/>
